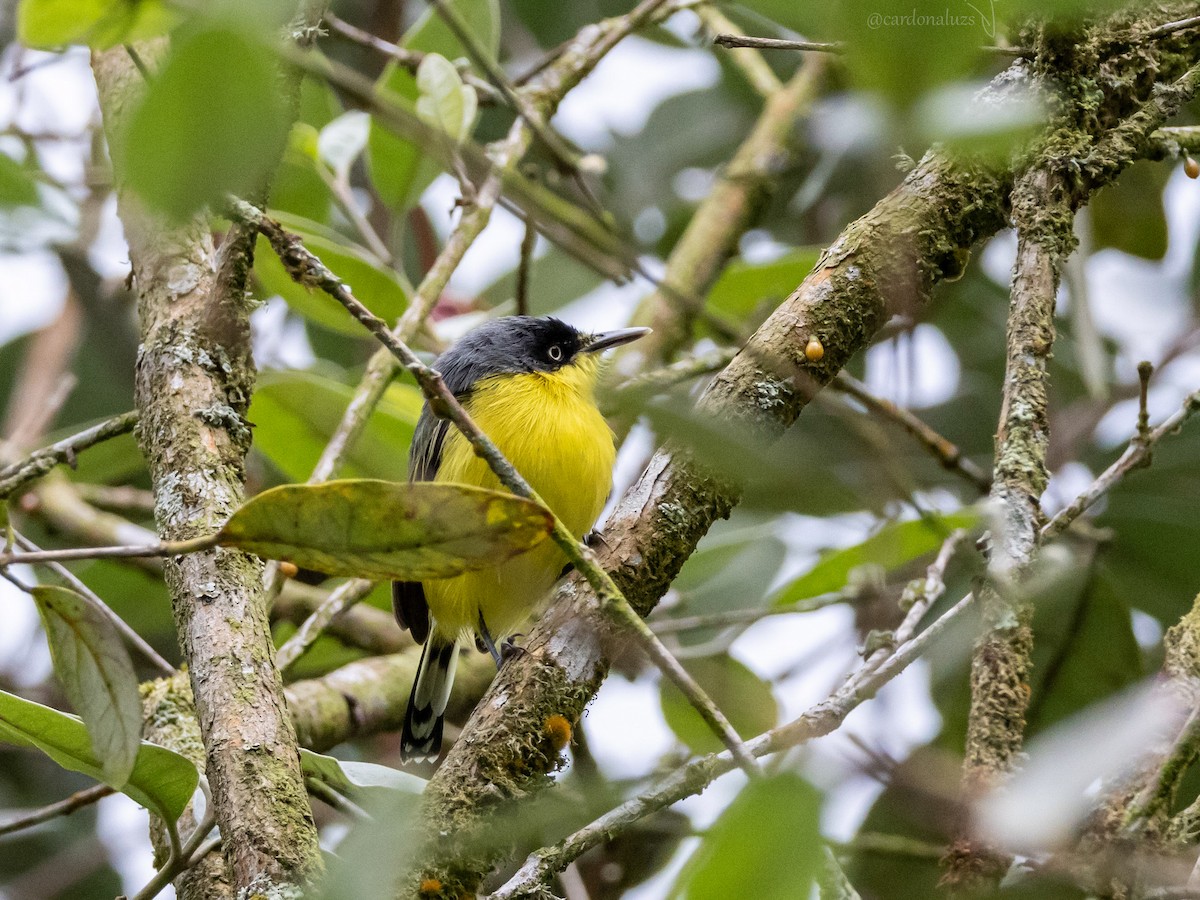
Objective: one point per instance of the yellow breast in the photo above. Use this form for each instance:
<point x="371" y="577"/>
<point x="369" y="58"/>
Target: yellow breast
<point x="548" y="426"/>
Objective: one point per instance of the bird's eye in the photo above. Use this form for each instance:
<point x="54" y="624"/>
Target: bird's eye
<point x="555" y="353"/>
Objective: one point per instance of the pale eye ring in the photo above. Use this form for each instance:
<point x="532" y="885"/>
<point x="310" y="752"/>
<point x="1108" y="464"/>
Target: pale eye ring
<point x="555" y="353"/>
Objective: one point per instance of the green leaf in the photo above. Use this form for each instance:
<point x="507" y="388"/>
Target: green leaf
<point x="399" y="169"/>
<point x="50" y="24"/>
<point x="213" y="122"/>
<point x="384" y="529"/>
<point x="765" y="845"/>
<point x="890" y="548"/>
<point x="296" y="413"/>
<point x="17" y="187"/>
<point x="375" y="285"/>
<point x="744" y="285"/>
<point x="162" y="780"/>
<point x="349" y="777"/>
<point x="744" y="698"/>
<point x="96" y="673"/>
<point x="445" y="102"/>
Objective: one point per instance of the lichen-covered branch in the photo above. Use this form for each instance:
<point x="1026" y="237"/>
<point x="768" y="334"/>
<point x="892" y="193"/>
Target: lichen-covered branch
<point x="194" y="379"/>
<point x="1000" y="662"/>
<point x="18" y="474"/>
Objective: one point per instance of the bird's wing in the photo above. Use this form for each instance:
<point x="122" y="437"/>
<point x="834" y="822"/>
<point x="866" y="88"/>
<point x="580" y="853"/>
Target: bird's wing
<point x="410" y="608"/>
<point x="408" y="597"/>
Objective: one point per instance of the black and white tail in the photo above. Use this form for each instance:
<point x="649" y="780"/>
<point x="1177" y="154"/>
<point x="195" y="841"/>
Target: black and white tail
<point x="421" y="738"/>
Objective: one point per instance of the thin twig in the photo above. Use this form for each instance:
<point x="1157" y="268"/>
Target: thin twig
<point x="340" y="190"/>
<point x="524" y="264"/>
<point x="409" y="59"/>
<point x="78" y="800"/>
<point x="946" y="452"/>
<point x="566" y="158"/>
<point x="163" y="548"/>
<point x="182" y="856"/>
<point x="1144" y="369"/>
<point x="16" y="475"/>
<point x="758" y="72"/>
<point x="1172" y="27"/>
<point x="91" y="597"/>
<point x="699" y="773"/>
<point x="1137" y="454"/>
<point x="307" y="269"/>
<point x="342" y="598"/>
<point x="116" y="497"/>
<point x="766" y="43"/>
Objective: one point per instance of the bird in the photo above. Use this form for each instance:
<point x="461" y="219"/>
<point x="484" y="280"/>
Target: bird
<point x="529" y="383"/>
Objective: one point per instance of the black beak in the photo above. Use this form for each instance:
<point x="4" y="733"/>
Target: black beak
<point x="608" y="339"/>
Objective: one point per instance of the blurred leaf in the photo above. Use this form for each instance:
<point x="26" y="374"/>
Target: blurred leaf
<point x="966" y="119"/>
<point x="731" y="569"/>
<point x="213" y="122"/>
<point x="766" y="845"/>
<point x="377" y="851"/>
<point x="341" y="142"/>
<point x="1129" y="215"/>
<point x="744" y="698"/>
<point x="348" y="777"/>
<point x="890" y="548"/>
<point x="399" y="169"/>
<point x="296" y="413"/>
<point x="375" y="285"/>
<point x="96" y="673"/>
<point x="1085" y="649"/>
<point x="296" y="187"/>
<point x="445" y="102"/>
<point x="382" y="529"/>
<point x="1155" y="516"/>
<point x="555" y="279"/>
<point x="162" y="780"/>
<point x="52" y="24"/>
<point x="774" y="482"/>
<point x="17" y="187"/>
<point x="899" y="52"/>
<point x="744" y="285"/>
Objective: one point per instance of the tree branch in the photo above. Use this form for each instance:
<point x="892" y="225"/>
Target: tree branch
<point x="194" y="380"/>
<point x="1001" y="662"/>
<point x="15" y="476"/>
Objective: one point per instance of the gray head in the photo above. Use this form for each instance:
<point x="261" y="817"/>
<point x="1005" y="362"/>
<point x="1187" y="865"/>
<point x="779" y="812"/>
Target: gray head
<point x="523" y="344"/>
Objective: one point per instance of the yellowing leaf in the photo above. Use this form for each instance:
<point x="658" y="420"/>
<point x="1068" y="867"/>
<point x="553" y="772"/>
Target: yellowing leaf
<point x="387" y="529"/>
